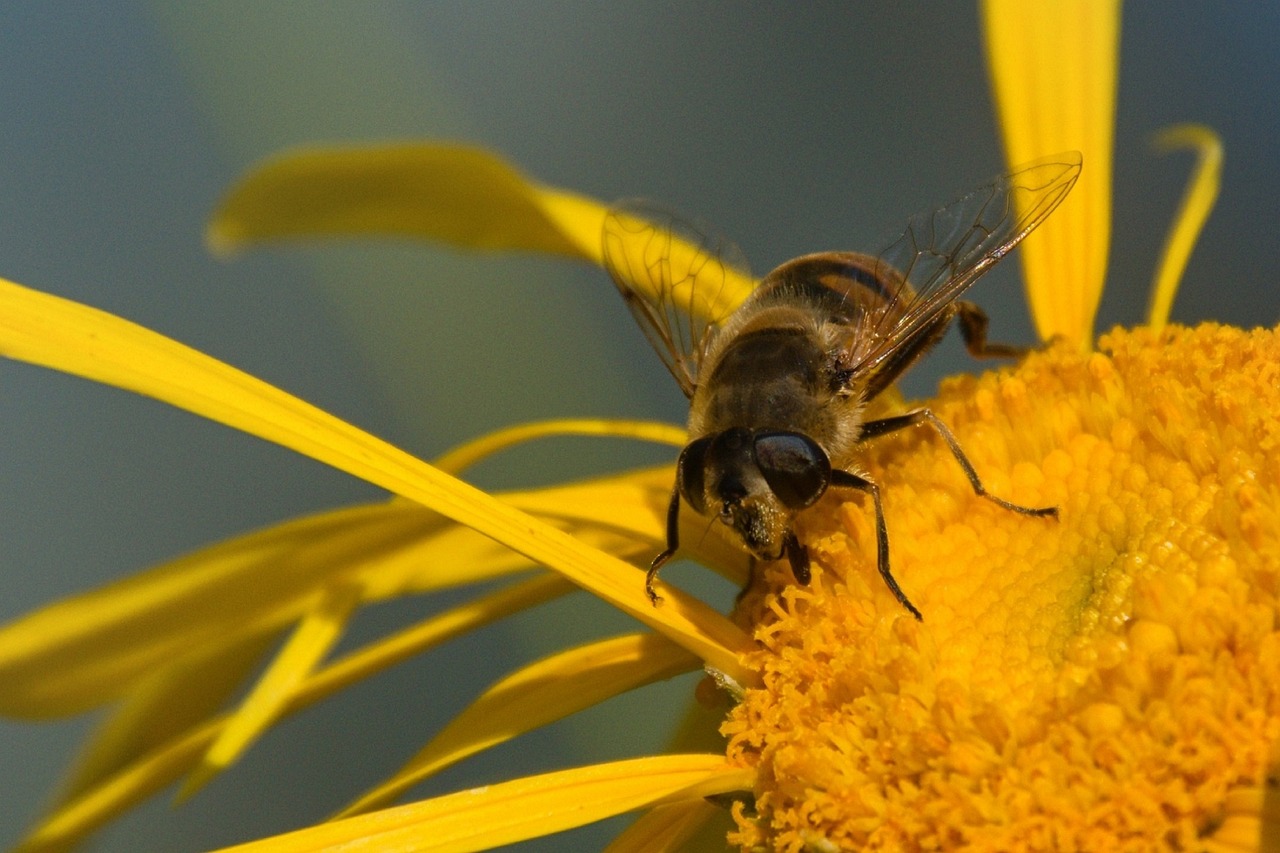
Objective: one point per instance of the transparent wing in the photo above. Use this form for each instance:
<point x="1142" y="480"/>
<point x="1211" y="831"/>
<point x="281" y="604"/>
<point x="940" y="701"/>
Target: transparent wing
<point x="943" y="251"/>
<point x="679" y="279"/>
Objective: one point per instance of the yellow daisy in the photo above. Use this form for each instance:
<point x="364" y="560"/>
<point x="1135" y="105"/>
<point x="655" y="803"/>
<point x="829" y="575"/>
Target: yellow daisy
<point x="1105" y="682"/>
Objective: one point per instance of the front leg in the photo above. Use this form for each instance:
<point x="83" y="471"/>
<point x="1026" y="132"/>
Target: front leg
<point x="673" y="542"/>
<point x="872" y="429"/>
<point x="845" y="480"/>
<point x="798" y="557"/>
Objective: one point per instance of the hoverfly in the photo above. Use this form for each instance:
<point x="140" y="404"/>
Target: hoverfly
<point x="778" y="383"/>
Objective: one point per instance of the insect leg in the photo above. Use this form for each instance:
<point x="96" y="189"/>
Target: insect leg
<point x="973" y="329"/>
<point x="673" y="542"/>
<point x="871" y="429"/>
<point x="845" y="480"/>
<point x="798" y="556"/>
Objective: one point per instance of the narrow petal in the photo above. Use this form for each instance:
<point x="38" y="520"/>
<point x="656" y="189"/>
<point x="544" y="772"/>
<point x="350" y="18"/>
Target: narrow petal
<point x="487" y="817"/>
<point x="83" y="651"/>
<point x="468" y="454"/>
<point x="622" y="515"/>
<point x="74" y="338"/>
<point x="535" y="695"/>
<point x="96" y="806"/>
<point x="87" y="650"/>
<point x="665" y="828"/>
<point x="1054" y="69"/>
<point x="456" y="194"/>
<point x="315" y="635"/>
<point x="119" y="788"/>
<point x="1197" y="204"/>
<point x="165" y="706"/>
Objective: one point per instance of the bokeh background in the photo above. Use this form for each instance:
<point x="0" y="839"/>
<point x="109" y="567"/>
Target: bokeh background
<point x="793" y="127"/>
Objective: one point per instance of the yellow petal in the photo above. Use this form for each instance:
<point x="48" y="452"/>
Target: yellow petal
<point x="439" y="629"/>
<point x="1053" y="69"/>
<point x="665" y="828"/>
<point x="74" y="338"/>
<point x="535" y="806"/>
<point x="460" y="195"/>
<point x="468" y="454"/>
<point x="1197" y="204"/>
<point x="80" y="652"/>
<point x="163" y="707"/>
<point x="540" y="693"/>
<point x="89" y="649"/>
<point x="310" y="642"/>
<point x="125" y="785"/>
<point x="106" y="800"/>
<point x="623" y="515"/>
<point x="633" y="504"/>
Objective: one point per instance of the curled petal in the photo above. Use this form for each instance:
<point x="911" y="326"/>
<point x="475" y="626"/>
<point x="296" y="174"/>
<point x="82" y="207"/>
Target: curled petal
<point x="452" y="193"/>
<point x="1197" y="204"/>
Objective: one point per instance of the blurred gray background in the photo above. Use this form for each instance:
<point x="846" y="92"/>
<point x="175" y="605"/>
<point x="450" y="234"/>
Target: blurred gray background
<point x="794" y="128"/>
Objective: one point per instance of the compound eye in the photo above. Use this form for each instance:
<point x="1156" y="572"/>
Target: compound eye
<point x="691" y="474"/>
<point x="795" y="467"/>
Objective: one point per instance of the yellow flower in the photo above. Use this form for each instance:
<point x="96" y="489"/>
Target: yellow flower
<point x="1104" y="681"/>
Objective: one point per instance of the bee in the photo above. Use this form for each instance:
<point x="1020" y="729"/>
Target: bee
<point x="778" y="384"/>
